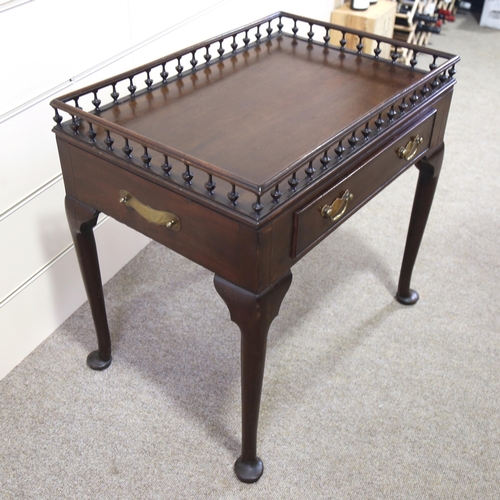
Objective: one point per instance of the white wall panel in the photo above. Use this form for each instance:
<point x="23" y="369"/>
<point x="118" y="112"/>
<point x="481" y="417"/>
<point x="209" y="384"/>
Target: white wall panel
<point x="317" y="9"/>
<point x="29" y="157"/>
<point x="224" y="17"/>
<point x="148" y="17"/>
<point x="46" y="42"/>
<point x="37" y="232"/>
<point x="31" y="316"/>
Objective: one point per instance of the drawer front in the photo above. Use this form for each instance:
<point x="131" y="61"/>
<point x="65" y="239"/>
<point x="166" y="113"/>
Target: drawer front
<point x="200" y="234"/>
<point x="321" y="216"/>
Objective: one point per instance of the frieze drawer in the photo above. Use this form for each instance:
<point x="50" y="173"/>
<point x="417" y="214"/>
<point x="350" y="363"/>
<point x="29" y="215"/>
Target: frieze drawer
<point x="321" y="216"/>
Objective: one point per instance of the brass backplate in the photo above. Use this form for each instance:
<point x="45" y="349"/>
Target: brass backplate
<point x="157" y="217"/>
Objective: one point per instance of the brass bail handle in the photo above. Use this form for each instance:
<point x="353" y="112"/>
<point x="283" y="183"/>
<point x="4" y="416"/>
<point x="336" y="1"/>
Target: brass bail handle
<point x="338" y="208"/>
<point x="157" y="217"/>
<point x="410" y="150"/>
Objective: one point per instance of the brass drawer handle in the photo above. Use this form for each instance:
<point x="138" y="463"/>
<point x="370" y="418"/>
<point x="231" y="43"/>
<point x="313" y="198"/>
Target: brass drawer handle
<point x="410" y="150"/>
<point x="338" y="208"/>
<point x="157" y="217"/>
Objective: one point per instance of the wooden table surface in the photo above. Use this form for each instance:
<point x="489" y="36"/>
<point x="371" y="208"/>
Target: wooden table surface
<point x="262" y="110"/>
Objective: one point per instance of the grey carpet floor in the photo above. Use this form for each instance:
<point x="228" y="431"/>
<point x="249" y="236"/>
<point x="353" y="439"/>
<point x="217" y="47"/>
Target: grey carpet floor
<point x="363" y="397"/>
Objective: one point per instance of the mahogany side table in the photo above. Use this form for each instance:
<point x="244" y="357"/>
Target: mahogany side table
<point x="245" y="151"/>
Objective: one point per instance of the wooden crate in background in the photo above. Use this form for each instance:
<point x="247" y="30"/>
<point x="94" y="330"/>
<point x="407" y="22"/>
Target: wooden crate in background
<point x="377" y="19"/>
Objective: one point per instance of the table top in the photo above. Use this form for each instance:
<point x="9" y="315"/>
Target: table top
<point x="264" y="109"/>
<point x="273" y="103"/>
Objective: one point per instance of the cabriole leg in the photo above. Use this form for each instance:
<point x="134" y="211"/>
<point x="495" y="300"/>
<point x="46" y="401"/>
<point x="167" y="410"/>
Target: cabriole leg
<point x="82" y="220"/>
<point x="254" y="315"/>
<point x="429" y="168"/>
